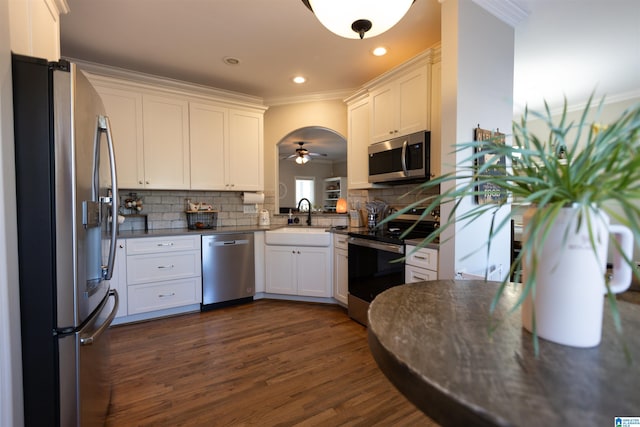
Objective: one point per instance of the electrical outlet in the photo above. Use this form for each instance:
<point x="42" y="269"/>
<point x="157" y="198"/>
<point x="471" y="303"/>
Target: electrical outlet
<point x="248" y="209"/>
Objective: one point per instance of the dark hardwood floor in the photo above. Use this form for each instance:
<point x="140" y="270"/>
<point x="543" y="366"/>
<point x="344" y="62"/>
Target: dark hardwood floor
<point x="265" y="363"/>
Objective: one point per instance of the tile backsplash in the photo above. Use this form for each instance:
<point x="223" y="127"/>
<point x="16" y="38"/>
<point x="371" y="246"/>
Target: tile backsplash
<point x="166" y="208"/>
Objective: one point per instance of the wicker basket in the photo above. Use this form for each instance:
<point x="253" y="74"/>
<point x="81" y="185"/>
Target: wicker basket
<point x="201" y="220"/>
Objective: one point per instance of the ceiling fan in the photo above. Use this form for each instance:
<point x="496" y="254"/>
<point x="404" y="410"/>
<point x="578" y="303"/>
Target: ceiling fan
<point x="302" y="155"/>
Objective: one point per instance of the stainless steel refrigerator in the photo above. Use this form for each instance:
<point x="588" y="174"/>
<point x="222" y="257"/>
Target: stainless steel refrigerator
<point x="66" y="190"/>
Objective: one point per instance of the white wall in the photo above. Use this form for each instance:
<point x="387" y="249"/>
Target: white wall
<point x="477" y="88"/>
<point x="10" y="356"/>
<point x="279" y="121"/>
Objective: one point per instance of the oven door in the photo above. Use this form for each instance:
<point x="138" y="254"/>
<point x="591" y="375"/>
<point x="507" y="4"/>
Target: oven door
<point x="373" y="267"/>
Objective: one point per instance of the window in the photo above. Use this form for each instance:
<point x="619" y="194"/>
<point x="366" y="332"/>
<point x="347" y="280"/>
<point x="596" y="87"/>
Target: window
<point x="305" y="188"/>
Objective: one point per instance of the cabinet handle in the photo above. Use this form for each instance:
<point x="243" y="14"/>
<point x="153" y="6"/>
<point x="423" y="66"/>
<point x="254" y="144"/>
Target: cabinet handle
<point x="172" y="294"/>
<point x="165" y="244"/>
<point x="420" y="257"/>
<point x="420" y="278"/>
<point x="166" y="266"/>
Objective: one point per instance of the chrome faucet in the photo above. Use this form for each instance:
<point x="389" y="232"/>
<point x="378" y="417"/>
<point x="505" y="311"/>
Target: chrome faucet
<point x="309" y="203"/>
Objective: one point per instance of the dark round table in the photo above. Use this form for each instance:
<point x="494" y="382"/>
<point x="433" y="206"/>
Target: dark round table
<point x="431" y="340"/>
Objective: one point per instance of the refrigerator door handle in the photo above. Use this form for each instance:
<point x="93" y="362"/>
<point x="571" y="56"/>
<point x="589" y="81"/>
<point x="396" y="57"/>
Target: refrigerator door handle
<point x="96" y="334"/>
<point x="104" y="126"/>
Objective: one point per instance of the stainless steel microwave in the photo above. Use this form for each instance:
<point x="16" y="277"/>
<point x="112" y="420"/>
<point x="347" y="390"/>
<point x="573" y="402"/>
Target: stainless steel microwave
<point x="401" y="159"/>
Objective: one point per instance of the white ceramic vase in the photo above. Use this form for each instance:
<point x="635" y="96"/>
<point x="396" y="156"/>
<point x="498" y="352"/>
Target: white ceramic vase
<point x="570" y="278"/>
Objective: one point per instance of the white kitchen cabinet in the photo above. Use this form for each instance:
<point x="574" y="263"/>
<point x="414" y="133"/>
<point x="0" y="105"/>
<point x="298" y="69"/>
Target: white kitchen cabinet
<point x="340" y="268"/>
<point x="208" y="132"/>
<point x="163" y="273"/>
<point x="298" y="270"/>
<point x="359" y="131"/>
<point x="245" y="151"/>
<point x="34" y="27"/>
<point x="226" y="148"/>
<point x="124" y="108"/>
<point x="400" y="106"/>
<point x="436" y="119"/>
<point x="421" y="264"/>
<point x="165" y="122"/>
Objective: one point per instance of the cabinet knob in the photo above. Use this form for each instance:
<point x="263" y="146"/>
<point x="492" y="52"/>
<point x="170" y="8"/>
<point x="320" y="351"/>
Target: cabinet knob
<point x="140" y="182"/>
<point x="147" y="182"/>
<point x="121" y="246"/>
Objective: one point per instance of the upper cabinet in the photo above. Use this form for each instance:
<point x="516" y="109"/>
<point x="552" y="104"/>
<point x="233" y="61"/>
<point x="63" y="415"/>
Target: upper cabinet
<point x="400" y="106"/>
<point x="358" y="140"/>
<point x="209" y="132"/>
<point x="402" y="101"/>
<point x="226" y="148"/>
<point x="124" y="109"/>
<point x="170" y="139"/>
<point x="34" y="27"/>
<point x="166" y="142"/>
<point x="245" y="154"/>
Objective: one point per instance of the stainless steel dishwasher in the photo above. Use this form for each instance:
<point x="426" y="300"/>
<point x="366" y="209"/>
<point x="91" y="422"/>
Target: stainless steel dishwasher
<point x="228" y="269"/>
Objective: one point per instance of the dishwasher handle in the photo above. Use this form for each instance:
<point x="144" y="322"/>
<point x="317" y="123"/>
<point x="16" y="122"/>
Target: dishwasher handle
<point x="229" y="242"/>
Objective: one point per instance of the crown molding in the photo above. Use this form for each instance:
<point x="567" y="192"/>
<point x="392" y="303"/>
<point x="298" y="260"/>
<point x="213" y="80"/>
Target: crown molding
<point x="508" y="11"/>
<point x="309" y="97"/>
<point x="62" y="6"/>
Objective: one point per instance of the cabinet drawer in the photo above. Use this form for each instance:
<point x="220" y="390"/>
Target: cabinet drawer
<point x="155" y="268"/>
<point x="159" y="296"/>
<point x="153" y="245"/>
<point x="414" y="274"/>
<point x="340" y="241"/>
<point x="423" y="257"/>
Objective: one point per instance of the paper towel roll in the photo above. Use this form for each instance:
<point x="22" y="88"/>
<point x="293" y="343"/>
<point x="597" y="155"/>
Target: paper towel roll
<point x="252" y="198"/>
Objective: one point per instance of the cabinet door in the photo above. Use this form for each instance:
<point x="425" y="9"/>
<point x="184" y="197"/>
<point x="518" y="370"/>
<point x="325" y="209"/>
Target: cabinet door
<point x="245" y="151"/>
<point x="314" y="271"/>
<point x="208" y="135"/>
<point x="166" y="142"/>
<point x="124" y="109"/>
<point x="280" y="270"/>
<point x="436" y="119"/>
<point x="384" y="112"/>
<point x="413" y="102"/>
<point x="357" y="145"/>
<point x="340" y="275"/>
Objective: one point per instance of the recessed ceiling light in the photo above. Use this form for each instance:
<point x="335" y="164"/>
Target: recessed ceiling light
<point x="379" y="51"/>
<point x="299" y="79"/>
<point x="230" y="60"/>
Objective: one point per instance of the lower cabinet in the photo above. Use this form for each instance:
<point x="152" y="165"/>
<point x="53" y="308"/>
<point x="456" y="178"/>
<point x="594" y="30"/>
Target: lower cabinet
<point x="157" y="273"/>
<point x="340" y="268"/>
<point x="298" y="270"/>
<point x="421" y="264"/>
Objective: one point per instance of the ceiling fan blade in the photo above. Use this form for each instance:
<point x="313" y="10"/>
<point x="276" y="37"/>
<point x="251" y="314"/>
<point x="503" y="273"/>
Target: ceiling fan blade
<point x="317" y="154"/>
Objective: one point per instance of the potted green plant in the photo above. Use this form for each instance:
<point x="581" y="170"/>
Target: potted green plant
<point x="572" y="179"/>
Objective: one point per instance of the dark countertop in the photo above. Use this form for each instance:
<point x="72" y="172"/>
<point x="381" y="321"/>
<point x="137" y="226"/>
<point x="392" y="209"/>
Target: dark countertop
<point x="431" y="340"/>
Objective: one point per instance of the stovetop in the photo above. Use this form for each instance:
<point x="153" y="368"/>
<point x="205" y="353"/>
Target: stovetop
<point x="392" y="231"/>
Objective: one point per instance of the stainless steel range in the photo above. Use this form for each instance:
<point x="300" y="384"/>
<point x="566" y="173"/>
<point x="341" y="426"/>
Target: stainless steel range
<point x="376" y="259"/>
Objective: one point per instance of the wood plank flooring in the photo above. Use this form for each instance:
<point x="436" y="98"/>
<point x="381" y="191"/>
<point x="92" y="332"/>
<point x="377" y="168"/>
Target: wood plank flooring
<point x="267" y="363"/>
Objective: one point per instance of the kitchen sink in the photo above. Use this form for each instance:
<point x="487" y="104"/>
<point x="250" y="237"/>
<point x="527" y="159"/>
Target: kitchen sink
<point x="298" y="236"/>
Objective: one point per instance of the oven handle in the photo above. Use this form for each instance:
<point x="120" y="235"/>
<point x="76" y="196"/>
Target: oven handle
<point x="387" y="247"/>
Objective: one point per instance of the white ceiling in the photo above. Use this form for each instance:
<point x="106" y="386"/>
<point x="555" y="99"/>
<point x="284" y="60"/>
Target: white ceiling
<point x="563" y="47"/>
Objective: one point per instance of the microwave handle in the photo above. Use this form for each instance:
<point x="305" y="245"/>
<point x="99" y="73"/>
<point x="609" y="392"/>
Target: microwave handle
<point x="404" y="157"/>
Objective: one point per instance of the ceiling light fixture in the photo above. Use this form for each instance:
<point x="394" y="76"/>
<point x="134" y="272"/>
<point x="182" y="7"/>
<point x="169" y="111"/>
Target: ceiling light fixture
<point x="302" y="159"/>
<point x="379" y="51"/>
<point x="299" y="79"/>
<point x="356" y="18"/>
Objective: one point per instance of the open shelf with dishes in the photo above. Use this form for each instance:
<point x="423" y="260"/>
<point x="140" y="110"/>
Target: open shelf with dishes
<point x="334" y="189"/>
